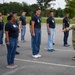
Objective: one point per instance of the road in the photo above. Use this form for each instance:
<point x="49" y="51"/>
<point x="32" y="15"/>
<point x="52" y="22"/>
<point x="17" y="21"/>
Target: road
<point x="51" y="63"/>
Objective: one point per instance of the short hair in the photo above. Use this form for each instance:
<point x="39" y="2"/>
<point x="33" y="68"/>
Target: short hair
<point x="51" y="11"/>
<point x="9" y="17"/>
<point x="38" y="9"/>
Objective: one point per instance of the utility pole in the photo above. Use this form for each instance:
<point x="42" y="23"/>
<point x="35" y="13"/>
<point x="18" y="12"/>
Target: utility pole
<point x="3" y="1"/>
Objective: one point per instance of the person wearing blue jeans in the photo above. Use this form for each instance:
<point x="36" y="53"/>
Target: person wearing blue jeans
<point x="23" y="26"/>
<point x="50" y="30"/>
<point x="36" y="33"/>
<point x="11" y="38"/>
<point x="23" y="31"/>
<point x="50" y="39"/>
<point x="36" y="41"/>
<point x="66" y="23"/>
<point x="1" y="29"/>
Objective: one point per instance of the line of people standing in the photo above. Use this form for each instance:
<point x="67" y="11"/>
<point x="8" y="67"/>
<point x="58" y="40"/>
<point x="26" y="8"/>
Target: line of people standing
<point x="13" y="27"/>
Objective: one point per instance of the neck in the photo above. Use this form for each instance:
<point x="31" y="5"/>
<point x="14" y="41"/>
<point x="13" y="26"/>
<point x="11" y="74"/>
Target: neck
<point x="37" y="15"/>
<point x="11" y="21"/>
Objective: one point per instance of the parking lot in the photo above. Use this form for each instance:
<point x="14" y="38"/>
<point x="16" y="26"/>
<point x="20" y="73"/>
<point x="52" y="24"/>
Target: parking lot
<point x="51" y="63"/>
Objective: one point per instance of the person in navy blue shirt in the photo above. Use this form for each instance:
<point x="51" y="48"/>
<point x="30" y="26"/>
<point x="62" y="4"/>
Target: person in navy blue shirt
<point x="50" y="30"/>
<point x="16" y="23"/>
<point x="23" y="26"/>
<point x="66" y="23"/>
<point x="36" y="33"/>
<point x="11" y="35"/>
<point x="1" y="29"/>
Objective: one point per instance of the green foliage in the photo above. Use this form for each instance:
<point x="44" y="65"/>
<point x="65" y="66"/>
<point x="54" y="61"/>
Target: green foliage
<point x="70" y="8"/>
<point x="43" y="4"/>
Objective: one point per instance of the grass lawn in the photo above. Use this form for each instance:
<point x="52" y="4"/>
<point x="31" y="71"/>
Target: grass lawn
<point x="58" y="21"/>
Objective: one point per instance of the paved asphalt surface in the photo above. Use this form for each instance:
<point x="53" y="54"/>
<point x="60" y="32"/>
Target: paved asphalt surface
<point x="51" y="63"/>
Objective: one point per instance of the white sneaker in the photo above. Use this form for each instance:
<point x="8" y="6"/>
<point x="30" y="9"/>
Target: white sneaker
<point x="11" y="66"/>
<point x="39" y="55"/>
<point x="35" y="56"/>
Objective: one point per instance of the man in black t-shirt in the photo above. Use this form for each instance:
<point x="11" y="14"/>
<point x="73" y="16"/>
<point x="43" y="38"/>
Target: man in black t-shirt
<point x="36" y="33"/>
<point x="50" y="30"/>
<point x="23" y="26"/>
<point x="66" y="23"/>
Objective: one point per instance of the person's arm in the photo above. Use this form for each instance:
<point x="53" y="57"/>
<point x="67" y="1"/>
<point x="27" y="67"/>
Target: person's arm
<point x="48" y="29"/>
<point x="63" y="25"/>
<point x="20" y="23"/>
<point x="69" y="28"/>
<point x="7" y="37"/>
<point x="32" y="29"/>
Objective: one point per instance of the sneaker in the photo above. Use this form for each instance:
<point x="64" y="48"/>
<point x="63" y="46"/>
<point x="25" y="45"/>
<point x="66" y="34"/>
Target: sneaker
<point x="17" y="53"/>
<point x="39" y="55"/>
<point x="51" y="50"/>
<point x="73" y="58"/>
<point x="10" y="67"/>
<point x="53" y="43"/>
<point x="35" y="56"/>
<point x="18" y="46"/>
<point x="66" y="45"/>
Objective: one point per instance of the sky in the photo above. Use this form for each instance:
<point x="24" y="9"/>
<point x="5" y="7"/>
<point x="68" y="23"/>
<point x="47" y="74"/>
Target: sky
<point x="58" y="3"/>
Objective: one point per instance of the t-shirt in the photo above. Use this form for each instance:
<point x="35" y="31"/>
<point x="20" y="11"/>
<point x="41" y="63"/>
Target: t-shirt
<point x="16" y="23"/>
<point x="66" y="21"/>
<point x="1" y="25"/>
<point x="51" y="22"/>
<point x="23" y="19"/>
<point x="12" y="29"/>
<point x="37" y="20"/>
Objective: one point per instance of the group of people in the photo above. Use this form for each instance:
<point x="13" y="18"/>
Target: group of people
<point x="13" y="27"/>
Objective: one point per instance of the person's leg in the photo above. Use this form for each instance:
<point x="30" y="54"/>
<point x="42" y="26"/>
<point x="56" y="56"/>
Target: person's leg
<point x="0" y="37"/>
<point x="14" y="47"/>
<point x="39" y="41"/>
<point x="50" y="39"/>
<point x="66" y="34"/>
<point x="22" y="33"/>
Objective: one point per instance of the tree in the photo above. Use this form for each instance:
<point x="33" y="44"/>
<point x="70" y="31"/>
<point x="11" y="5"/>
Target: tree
<point x="70" y="7"/>
<point x="43" y="4"/>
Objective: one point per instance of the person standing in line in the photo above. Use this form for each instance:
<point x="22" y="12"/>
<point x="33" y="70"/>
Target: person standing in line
<point x="23" y="26"/>
<point x="72" y="27"/>
<point x="66" y="23"/>
<point x="1" y="29"/>
<point x="36" y="33"/>
<point x="11" y="35"/>
<point x="50" y="30"/>
<point x="16" y="23"/>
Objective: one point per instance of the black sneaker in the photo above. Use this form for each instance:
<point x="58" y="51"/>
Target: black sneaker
<point x="66" y="45"/>
<point x="18" y="46"/>
<point x="53" y="43"/>
<point x="51" y="50"/>
<point x="17" y="53"/>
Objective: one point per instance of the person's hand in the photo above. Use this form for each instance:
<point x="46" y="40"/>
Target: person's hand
<point x="63" y="30"/>
<point x="33" y="34"/>
<point x="8" y="43"/>
<point x="48" y="32"/>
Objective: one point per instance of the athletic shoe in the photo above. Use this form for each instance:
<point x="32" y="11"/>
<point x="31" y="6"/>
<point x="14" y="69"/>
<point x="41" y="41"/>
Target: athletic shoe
<point x="39" y="55"/>
<point x="35" y="56"/>
<point x="66" y="45"/>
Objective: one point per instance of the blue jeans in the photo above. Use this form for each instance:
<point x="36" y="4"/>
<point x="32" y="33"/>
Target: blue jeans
<point x="50" y="39"/>
<point x="66" y="34"/>
<point x="36" y="41"/>
<point x="1" y="36"/>
<point x="11" y="49"/>
<point x="23" y="31"/>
